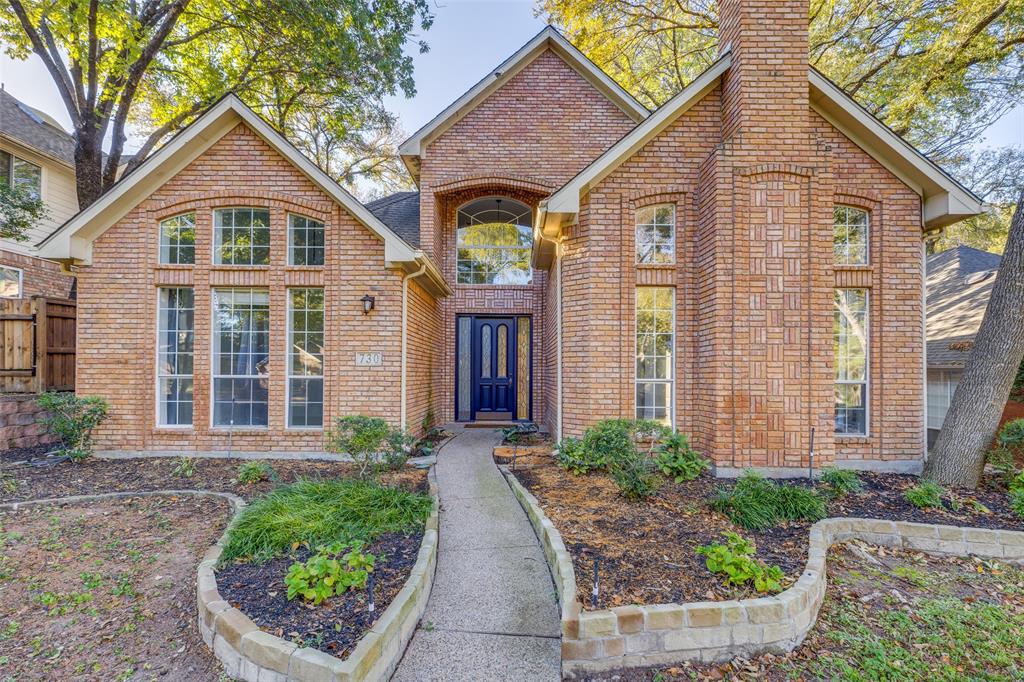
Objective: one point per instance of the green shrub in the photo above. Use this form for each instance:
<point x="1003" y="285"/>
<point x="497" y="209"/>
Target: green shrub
<point x="758" y="504"/>
<point x="72" y="418"/>
<point x="634" y="473"/>
<point x="574" y="457"/>
<point x="736" y="560"/>
<point x="841" y="482"/>
<point x="370" y="442"/>
<point x="319" y="512"/>
<point x="678" y="460"/>
<point x="608" y="439"/>
<point x="333" y="569"/>
<point x="1002" y="460"/>
<point x="185" y="467"/>
<point x="254" y="471"/>
<point x="925" y="495"/>
<point x="1011" y="436"/>
<point x="1017" y="502"/>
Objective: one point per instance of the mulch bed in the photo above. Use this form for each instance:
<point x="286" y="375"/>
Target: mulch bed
<point x="335" y="625"/>
<point x="106" y="590"/>
<point x="646" y="550"/>
<point x="42" y="480"/>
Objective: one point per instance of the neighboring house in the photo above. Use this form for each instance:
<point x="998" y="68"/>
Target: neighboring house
<point x="745" y="263"/>
<point x="959" y="284"/>
<point x="35" y="153"/>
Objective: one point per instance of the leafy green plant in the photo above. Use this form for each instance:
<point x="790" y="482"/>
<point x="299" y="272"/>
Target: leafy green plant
<point x="1002" y="460"/>
<point x="925" y="495"/>
<point x="254" y="471"/>
<point x="370" y="442"/>
<point x="315" y="512"/>
<point x="332" y="569"/>
<point x="1011" y="436"/>
<point x="756" y="503"/>
<point x="72" y="418"/>
<point x="678" y="460"/>
<point x="635" y="474"/>
<point x="841" y="482"/>
<point x="1017" y="494"/>
<point x="608" y="439"/>
<point x="185" y="467"/>
<point x="571" y="454"/>
<point x="736" y="560"/>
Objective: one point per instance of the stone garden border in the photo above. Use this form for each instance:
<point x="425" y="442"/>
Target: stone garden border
<point x="250" y="654"/>
<point x="665" y="634"/>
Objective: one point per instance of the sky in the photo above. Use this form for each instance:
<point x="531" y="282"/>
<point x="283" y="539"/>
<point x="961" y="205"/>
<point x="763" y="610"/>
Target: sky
<point x="468" y="39"/>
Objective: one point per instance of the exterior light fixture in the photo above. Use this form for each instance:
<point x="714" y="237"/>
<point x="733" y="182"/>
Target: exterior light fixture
<point x="368" y="302"/>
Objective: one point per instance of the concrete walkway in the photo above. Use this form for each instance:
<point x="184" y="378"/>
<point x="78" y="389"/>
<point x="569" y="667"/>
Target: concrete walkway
<point x="493" y="612"/>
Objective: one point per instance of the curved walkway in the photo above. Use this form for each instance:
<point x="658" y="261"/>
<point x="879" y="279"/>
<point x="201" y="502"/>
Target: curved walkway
<point x="493" y="612"/>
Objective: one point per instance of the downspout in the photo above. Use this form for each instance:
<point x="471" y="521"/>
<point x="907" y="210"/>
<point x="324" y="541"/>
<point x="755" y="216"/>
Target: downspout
<point x="405" y="336"/>
<point x="558" y="332"/>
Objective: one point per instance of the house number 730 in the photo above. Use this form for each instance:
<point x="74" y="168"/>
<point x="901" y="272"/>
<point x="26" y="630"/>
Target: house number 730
<point x="373" y="359"/>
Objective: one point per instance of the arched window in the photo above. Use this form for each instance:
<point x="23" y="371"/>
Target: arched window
<point x="493" y="242"/>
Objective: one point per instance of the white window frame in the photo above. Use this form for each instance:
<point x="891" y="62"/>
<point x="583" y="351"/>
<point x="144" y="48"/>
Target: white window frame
<point x="288" y="376"/>
<point x="493" y="247"/>
<point x="867" y="366"/>
<point x="159" y="413"/>
<point x="213" y="375"/>
<point x="636" y="232"/>
<point x="21" y="281"/>
<point x="867" y="237"/>
<point x="160" y="239"/>
<point x="670" y="412"/>
<point x="215" y="249"/>
<point x="10" y="171"/>
<point x="292" y="247"/>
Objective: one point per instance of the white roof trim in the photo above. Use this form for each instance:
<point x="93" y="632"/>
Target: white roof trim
<point x="567" y="199"/>
<point x="547" y="38"/>
<point x="73" y="240"/>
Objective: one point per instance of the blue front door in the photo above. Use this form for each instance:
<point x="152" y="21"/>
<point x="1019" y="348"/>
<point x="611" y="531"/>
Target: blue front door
<point x="494" y="368"/>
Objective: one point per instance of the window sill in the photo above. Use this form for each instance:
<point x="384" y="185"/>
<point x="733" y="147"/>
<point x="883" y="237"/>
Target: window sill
<point x="495" y="286"/>
<point x="852" y="438"/>
<point x="240" y="429"/>
<point x="656" y="266"/>
<point x="305" y="429"/>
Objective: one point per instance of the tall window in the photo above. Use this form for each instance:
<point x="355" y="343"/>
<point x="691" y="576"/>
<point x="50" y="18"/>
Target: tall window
<point x="10" y="282"/>
<point x="305" y="241"/>
<point x="178" y="240"/>
<point x="19" y="173"/>
<point x="851" y="349"/>
<point x="850" y="236"/>
<point x="656" y="234"/>
<point x="241" y="356"/>
<point x="175" y="353"/>
<point x="655" y="341"/>
<point x="493" y="242"/>
<point x="305" y="357"/>
<point x="241" y="236"/>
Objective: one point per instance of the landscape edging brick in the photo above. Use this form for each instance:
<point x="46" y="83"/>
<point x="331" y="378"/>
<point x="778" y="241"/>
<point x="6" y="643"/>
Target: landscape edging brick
<point x="609" y="639"/>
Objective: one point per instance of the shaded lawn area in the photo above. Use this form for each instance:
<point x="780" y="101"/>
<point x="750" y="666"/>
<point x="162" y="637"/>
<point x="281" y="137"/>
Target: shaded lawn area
<point x="893" y="615"/>
<point x="106" y="590"/>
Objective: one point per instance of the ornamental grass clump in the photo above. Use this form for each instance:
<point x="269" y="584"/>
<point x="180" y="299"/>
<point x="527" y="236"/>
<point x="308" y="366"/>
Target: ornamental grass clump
<point x="925" y="495"/>
<point x="756" y="503"/>
<point x="841" y="482"/>
<point x="318" y="512"/>
<point x="255" y="471"/>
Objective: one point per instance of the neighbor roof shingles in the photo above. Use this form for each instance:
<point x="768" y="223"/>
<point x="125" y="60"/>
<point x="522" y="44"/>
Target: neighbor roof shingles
<point x="956" y="305"/>
<point x="31" y="128"/>
<point x="401" y="212"/>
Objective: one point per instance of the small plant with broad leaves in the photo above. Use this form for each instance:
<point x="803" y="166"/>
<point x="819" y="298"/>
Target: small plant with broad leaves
<point x="255" y="471"/>
<point x="635" y="474"/>
<point x="756" y="503"/>
<point x="841" y="482"/>
<point x="72" y="418"/>
<point x="370" y="442"/>
<point x="925" y="495"/>
<point x="185" y="467"/>
<point x="678" y="460"/>
<point x="735" y="559"/>
<point x="332" y="569"/>
<point x="1017" y="494"/>
<point x="571" y="454"/>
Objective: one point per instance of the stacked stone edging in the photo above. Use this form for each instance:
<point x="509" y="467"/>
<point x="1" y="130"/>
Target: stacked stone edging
<point x="19" y="422"/>
<point x="248" y="653"/>
<point x="664" y="634"/>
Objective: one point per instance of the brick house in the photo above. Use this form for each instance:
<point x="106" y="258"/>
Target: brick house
<point x="745" y="263"/>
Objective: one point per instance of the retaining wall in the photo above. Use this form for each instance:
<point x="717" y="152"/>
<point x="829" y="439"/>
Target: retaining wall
<point x="19" y="427"/>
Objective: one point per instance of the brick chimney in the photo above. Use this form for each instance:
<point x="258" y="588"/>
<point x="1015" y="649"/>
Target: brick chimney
<point x="765" y="99"/>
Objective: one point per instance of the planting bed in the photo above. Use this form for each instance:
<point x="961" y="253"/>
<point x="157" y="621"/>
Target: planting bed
<point x="105" y="590"/>
<point x="892" y="615"/>
<point x="646" y="550"/>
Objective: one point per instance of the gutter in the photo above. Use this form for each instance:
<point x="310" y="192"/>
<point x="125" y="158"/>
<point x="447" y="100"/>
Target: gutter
<point x="405" y="336"/>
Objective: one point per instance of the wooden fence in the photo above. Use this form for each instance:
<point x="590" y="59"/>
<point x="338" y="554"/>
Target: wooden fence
<point x="37" y="345"/>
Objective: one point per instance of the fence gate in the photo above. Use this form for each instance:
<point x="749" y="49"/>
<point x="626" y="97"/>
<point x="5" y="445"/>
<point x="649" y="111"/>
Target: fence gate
<point x="37" y="345"/>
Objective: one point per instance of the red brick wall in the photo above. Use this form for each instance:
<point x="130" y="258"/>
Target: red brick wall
<point x="39" y="277"/>
<point x="116" y="343"/>
<point x="425" y="329"/>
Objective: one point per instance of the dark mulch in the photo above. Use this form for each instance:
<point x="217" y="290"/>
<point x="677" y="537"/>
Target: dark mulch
<point x="34" y="481"/>
<point x="35" y="453"/>
<point x="646" y="550"/>
<point x="431" y="441"/>
<point x="337" y="624"/>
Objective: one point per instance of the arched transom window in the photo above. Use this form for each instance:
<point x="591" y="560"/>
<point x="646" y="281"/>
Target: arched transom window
<point x="493" y="242"/>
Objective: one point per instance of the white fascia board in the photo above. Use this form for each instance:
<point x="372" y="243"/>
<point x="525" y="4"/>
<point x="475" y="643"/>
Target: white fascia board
<point x="548" y="37"/>
<point x="567" y="199"/>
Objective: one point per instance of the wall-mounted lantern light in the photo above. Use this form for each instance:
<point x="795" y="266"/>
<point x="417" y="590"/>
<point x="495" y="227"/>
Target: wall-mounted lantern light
<point x="368" y="302"/>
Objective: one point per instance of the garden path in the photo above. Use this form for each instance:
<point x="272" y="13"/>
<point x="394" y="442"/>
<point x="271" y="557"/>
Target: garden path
<point x="493" y="611"/>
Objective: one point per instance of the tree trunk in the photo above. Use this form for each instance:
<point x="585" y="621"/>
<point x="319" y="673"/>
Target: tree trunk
<point x="88" y="167"/>
<point x="973" y="417"/>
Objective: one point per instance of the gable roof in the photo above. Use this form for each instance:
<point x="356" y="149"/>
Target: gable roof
<point x="945" y="201"/>
<point x="72" y="242"/>
<point x="959" y="283"/>
<point x="401" y="212"/>
<point x="35" y="129"/>
<point x="548" y="39"/>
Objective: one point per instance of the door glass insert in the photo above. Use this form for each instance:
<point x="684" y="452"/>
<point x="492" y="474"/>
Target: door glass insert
<point x="502" y="351"/>
<point x="523" y="368"/>
<point x="485" y="352"/>
<point x="465" y="411"/>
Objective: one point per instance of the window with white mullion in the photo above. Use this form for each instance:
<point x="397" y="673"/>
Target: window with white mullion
<point x="656" y="234"/>
<point x="305" y="358"/>
<point x="305" y="241"/>
<point x="655" y="346"/>
<point x="178" y="240"/>
<point x="241" y="357"/>
<point x="850" y="235"/>
<point x="175" y="355"/>
<point x="241" y="236"/>
<point x="852" y="338"/>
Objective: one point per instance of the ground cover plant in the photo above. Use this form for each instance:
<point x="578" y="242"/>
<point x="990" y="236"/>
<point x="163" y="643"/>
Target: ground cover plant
<point x="735" y="560"/>
<point x="331" y="570"/>
<point x="840" y="482"/>
<point x="757" y="503"/>
<point x="254" y="471"/>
